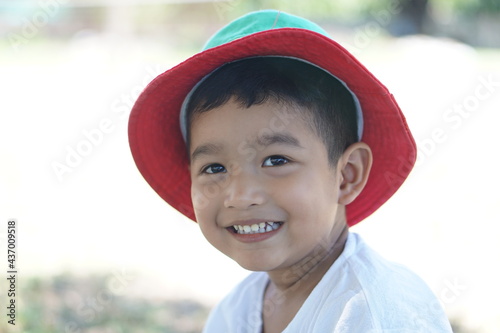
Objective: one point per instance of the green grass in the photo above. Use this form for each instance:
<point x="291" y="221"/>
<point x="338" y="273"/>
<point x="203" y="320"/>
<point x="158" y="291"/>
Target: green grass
<point x="68" y="303"/>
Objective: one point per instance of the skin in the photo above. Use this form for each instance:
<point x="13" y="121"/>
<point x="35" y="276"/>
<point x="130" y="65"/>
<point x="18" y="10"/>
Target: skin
<point x="251" y="164"/>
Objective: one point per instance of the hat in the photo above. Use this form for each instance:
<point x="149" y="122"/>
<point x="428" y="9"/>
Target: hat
<point x="155" y="135"/>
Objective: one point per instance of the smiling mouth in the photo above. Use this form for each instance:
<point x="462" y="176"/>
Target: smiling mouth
<point x="258" y="228"/>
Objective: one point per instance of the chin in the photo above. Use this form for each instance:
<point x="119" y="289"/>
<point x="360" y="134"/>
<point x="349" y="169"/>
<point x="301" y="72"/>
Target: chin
<point x="255" y="264"/>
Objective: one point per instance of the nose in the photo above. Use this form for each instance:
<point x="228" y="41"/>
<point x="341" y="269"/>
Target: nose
<point x="243" y="191"/>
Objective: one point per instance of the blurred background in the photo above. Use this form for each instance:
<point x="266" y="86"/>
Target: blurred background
<point x="99" y="251"/>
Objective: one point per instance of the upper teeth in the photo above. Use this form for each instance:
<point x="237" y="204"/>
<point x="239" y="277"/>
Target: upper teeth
<point x="257" y="228"/>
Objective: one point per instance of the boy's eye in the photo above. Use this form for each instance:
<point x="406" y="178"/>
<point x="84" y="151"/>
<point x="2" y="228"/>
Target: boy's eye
<point x="275" y="160"/>
<point x="213" y="168"/>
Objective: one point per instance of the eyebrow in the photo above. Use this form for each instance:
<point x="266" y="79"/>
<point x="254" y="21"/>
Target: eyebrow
<point x="278" y="138"/>
<point x="206" y="149"/>
<point x="263" y="140"/>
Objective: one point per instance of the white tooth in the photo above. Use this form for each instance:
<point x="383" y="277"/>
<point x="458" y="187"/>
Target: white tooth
<point x="257" y="228"/>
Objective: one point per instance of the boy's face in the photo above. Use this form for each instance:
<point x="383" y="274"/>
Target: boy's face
<point x="258" y="165"/>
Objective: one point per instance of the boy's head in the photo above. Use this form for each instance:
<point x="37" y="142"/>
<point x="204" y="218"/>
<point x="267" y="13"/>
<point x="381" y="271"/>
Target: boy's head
<point x="183" y="97"/>
<point x="269" y="192"/>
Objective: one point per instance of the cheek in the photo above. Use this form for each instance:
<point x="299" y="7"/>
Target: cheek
<point x="294" y="188"/>
<point x="293" y="196"/>
<point x="206" y="202"/>
<point x="200" y="201"/>
<point x="203" y="211"/>
<point x="206" y="210"/>
<point x="307" y="198"/>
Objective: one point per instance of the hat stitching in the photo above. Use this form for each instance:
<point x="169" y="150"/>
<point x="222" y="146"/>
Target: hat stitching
<point x="276" y="19"/>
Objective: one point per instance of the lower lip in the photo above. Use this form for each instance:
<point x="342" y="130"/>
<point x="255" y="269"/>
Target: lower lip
<point x="253" y="238"/>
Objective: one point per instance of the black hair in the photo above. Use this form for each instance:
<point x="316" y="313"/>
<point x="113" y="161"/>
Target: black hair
<point x="253" y="81"/>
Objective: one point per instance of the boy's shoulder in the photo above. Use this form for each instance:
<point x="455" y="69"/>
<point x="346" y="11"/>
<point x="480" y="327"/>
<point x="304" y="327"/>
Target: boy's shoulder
<point x="390" y="294"/>
<point x="364" y="292"/>
<point x="361" y="292"/>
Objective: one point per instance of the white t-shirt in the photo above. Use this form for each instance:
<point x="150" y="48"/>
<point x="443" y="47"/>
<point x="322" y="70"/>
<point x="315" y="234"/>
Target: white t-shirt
<point x="360" y="293"/>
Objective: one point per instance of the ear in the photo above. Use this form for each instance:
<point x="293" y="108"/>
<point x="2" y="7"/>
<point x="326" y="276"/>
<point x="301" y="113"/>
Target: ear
<point x="354" y="165"/>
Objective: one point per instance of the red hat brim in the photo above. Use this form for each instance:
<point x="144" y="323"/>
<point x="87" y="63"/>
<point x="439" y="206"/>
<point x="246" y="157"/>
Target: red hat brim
<point x="160" y="153"/>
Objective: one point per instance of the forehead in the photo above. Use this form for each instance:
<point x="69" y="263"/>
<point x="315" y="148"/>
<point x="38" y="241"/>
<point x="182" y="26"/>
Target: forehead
<point x="231" y="120"/>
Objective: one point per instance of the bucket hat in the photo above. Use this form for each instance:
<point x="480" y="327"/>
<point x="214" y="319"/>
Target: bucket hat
<point x="155" y="134"/>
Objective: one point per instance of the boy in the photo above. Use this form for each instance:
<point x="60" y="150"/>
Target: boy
<point x="276" y="140"/>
